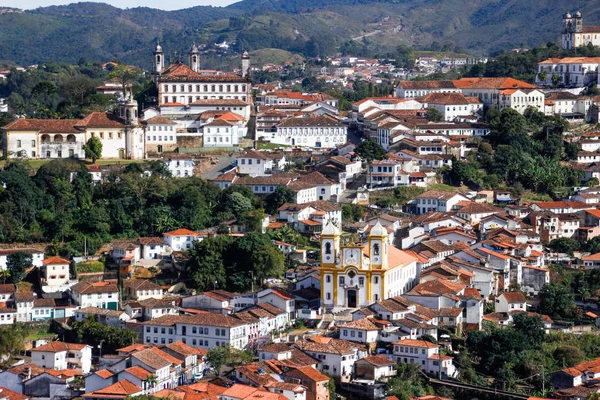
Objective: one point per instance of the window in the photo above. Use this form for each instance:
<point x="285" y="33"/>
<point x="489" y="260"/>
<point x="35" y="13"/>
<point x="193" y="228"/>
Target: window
<point x="18" y="143"/>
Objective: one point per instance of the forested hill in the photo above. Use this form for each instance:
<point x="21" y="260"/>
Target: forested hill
<point x="98" y="31"/>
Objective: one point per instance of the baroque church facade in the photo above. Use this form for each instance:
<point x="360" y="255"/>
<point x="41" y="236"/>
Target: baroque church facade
<point x="355" y="276"/>
<point x="575" y="34"/>
<point x="184" y="84"/>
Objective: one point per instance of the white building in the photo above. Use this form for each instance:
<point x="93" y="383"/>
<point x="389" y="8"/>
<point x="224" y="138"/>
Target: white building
<point x="511" y="301"/>
<point x="454" y="106"/>
<point x="202" y="330"/>
<point x="500" y="93"/>
<point x="56" y="271"/>
<point x="121" y="136"/>
<point x="311" y="131"/>
<point x="180" y="165"/>
<point x="336" y="357"/>
<point x="37" y="256"/>
<point x="435" y="200"/>
<point x="182" y="239"/>
<point x="259" y="163"/>
<point x="59" y="355"/>
<point x="414" y="89"/>
<point x="220" y="133"/>
<point x="568" y="71"/>
<point x="575" y="34"/>
<point x="426" y="355"/>
<point x="98" y="294"/>
<point x="161" y="134"/>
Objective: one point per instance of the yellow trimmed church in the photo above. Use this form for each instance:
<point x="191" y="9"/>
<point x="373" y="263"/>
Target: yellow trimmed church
<point x="357" y="276"/>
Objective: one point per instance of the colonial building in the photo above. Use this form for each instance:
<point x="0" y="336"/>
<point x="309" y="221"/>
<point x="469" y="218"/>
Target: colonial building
<point x="319" y="132"/>
<point x="356" y="276"/>
<point x="179" y="83"/>
<point x="120" y="134"/>
<point x="574" y="34"/>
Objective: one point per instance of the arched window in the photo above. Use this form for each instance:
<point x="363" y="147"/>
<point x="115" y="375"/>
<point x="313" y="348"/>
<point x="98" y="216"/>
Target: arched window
<point x="328" y="248"/>
<point x="58" y="139"/>
<point x="71" y="139"/>
<point x="45" y="139"/>
<point x="158" y="59"/>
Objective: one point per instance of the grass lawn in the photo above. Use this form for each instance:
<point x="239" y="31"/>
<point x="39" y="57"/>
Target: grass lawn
<point x="447" y="188"/>
<point x="40" y="333"/>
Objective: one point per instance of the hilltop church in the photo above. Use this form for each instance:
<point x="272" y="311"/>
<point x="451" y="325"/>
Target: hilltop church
<point x="355" y="276"/>
<point x="574" y="34"/>
<point x="188" y="84"/>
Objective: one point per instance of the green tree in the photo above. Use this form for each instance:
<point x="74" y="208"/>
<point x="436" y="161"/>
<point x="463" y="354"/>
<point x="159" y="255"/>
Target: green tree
<point x="568" y="356"/>
<point x="556" y="300"/>
<point x="564" y="245"/>
<point x="126" y="75"/>
<point x="433" y="114"/>
<point x="90" y="332"/>
<point x="16" y="264"/>
<point x="369" y="150"/>
<point x="238" y="204"/>
<point x="93" y="149"/>
<point x="206" y="266"/>
<point x="218" y="357"/>
<point x="12" y="343"/>
<point x="555" y="80"/>
<point x="279" y="197"/>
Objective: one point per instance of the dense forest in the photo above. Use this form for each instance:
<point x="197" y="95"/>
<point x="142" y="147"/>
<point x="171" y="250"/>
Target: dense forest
<point x="66" y="33"/>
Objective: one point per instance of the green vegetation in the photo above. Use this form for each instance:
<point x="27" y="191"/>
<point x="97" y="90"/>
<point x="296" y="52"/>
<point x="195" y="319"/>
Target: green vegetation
<point x="93" y="333"/>
<point x="369" y="150"/>
<point x="525" y="153"/>
<point x="16" y="264"/>
<point x="41" y="332"/>
<point x="221" y="356"/>
<point x="11" y="342"/>
<point x="48" y="207"/>
<point x="234" y="264"/>
<point x="311" y="28"/>
<point x="90" y="266"/>
<point x="523" y="65"/>
<point x="93" y="149"/>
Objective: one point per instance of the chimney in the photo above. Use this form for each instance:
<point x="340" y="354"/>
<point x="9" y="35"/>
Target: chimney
<point x="28" y="372"/>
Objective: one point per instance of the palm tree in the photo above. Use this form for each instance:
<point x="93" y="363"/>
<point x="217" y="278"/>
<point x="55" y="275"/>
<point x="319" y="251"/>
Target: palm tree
<point x="151" y="381"/>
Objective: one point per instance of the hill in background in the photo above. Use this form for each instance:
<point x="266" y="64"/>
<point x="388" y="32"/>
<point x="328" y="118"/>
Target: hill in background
<point x="97" y="31"/>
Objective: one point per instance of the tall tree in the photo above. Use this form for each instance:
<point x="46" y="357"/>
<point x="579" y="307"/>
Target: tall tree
<point x="16" y="264"/>
<point x="126" y="75"/>
<point x="369" y="150"/>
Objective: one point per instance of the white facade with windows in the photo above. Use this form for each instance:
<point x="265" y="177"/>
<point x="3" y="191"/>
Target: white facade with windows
<point x="204" y="331"/>
<point x="314" y="131"/>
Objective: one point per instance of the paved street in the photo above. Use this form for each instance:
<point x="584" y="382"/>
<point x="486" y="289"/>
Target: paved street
<point x="225" y="163"/>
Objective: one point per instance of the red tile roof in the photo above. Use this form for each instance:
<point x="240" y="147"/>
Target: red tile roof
<point x="55" y="260"/>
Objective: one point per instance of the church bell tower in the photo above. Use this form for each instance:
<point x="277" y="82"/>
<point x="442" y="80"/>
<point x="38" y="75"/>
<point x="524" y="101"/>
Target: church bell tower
<point x="194" y="58"/>
<point x="158" y="65"/>
<point x="378" y="247"/>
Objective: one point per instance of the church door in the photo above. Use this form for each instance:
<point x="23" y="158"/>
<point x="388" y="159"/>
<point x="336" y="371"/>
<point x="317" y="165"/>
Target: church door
<point x="351" y="298"/>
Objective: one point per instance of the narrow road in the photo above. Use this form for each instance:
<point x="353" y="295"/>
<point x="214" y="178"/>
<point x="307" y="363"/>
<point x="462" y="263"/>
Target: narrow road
<point x="366" y="35"/>
<point x="225" y="163"/>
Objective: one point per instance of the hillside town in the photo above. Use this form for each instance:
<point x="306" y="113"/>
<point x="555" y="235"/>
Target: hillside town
<point x="214" y="236"/>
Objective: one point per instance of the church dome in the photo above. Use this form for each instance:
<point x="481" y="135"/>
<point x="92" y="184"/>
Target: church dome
<point x="158" y="48"/>
<point x="577" y="14"/>
<point x="245" y="54"/>
<point x="194" y="48"/>
<point x="378" y="230"/>
<point x="567" y="16"/>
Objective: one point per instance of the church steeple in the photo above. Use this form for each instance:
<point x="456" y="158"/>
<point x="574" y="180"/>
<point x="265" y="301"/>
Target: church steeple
<point x="245" y="64"/>
<point x="194" y="58"/>
<point x="330" y="245"/>
<point x="378" y="246"/>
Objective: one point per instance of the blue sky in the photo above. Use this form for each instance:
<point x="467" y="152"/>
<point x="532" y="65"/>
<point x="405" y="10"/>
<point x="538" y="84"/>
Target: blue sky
<point x="162" y="4"/>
